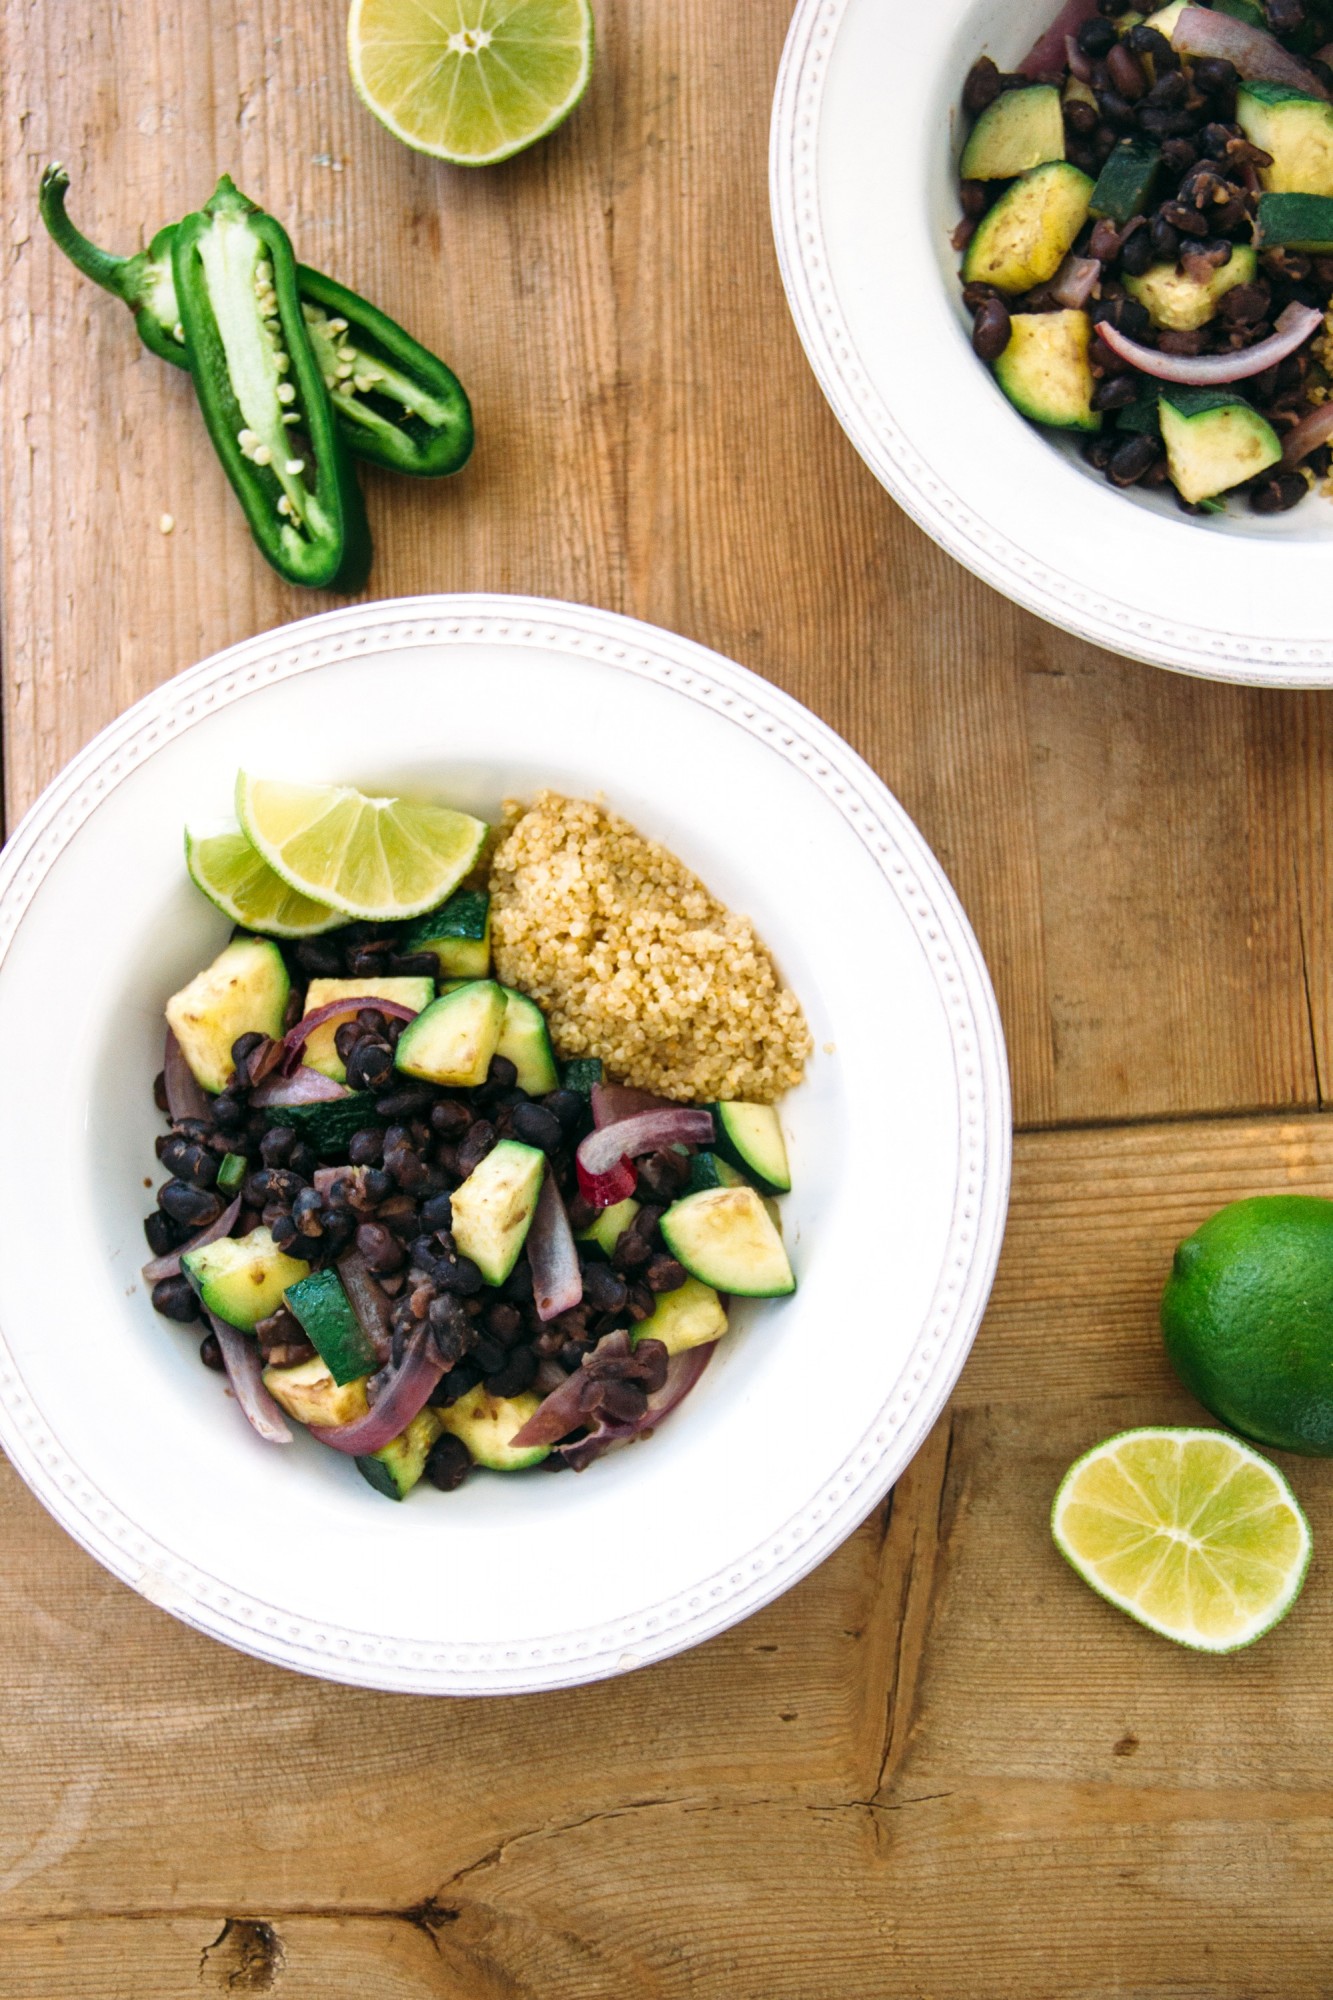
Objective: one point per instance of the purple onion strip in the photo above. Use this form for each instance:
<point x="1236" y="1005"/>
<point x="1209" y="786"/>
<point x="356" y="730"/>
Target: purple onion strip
<point x="245" y="1372"/>
<point x="170" y="1265"/>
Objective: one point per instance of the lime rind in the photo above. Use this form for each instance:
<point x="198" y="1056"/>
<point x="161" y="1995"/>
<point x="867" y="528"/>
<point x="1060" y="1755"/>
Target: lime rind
<point x="371" y="859"/>
<point x="1143" y="1518"/>
<point x="238" y="881"/>
<point x="509" y="137"/>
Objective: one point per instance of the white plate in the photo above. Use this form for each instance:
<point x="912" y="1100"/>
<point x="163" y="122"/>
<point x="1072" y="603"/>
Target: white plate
<point x="864" y="197"/>
<point x="813" y="1406"/>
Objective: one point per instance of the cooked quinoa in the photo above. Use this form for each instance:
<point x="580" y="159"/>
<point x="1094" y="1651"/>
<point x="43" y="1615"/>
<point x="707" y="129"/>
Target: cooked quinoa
<point x="633" y="960"/>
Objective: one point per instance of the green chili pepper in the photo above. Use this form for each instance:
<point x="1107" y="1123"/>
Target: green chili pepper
<point x="396" y="403"/>
<point x="262" y="395"/>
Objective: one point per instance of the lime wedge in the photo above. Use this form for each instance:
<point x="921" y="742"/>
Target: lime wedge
<point x="471" y="81"/>
<point x="1190" y="1532"/>
<point x="245" y="888"/>
<point x="370" y="858"/>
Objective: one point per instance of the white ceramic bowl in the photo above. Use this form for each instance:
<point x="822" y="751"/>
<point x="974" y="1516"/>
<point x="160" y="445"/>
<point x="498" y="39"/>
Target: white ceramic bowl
<point x="813" y="1405"/>
<point x="864" y="193"/>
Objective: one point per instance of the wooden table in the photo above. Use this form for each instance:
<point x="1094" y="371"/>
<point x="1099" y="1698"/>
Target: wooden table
<point x="940" y="1769"/>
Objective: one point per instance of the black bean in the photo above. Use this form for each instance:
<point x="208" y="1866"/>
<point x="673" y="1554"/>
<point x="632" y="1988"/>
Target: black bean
<point x="536" y="1126"/>
<point x="1276" y="492"/>
<point x="1132" y="460"/>
<point x="1116" y="392"/>
<point x="664" y="1274"/>
<point x="414" y="965"/>
<point x="1214" y="76"/>
<point x="604" y="1290"/>
<point x="1081" y="118"/>
<point x="568" y="1107"/>
<point x="1137" y="254"/>
<point x="623" y="1402"/>
<point x="407" y="1168"/>
<point x="1097" y="38"/>
<point x="501" y="1074"/>
<point x="162" y="1233"/>
<point x="1164" y="124"/>
<point x="195" y="1206"/>
<point x="518" y="1373"/>
<point x="488" y="1355"/>
<point x="188" y="1160"/>
<point x="370" y="1065"/>
<point x="380" y="1247"/>
<point x="175" y="1298"/>
<point x="304" y="1160"/>
<point x="364" y="1148"/>
<point x="449" y="1118"/>
<point x="991" y="330"/>
<point x="1146" y="41"/>
<point x="518" y="1285"/>
<point x="1285" y="16"/>
<point x="1164" y="239"/>
<point x="271" y="1184"/>
<point x="448" y="1462"/>
<point x="1119" y="113"/>
<point x="1169" y="91"/>
<point x="306" y="1213"/>
<point x="275" y="1148"/>
<point x="437" y="1213"/>
<point x="284" y="1231"/>
<point x="1126" y="72"/>
<point x="228" y="1115"/>
<point x="571" y="1355"/>
<point x="475" y="1145"/>
<point x="982" y="86"/>
<point x="1177" y="156"/>
<point x="319" y="958"/>
<point x="242" y="1049"/>
<point x="459" y="1274"/>
<point x="504" y="1322"/>
<point x="210" y="1353"/>
<point x="974" y="196"/>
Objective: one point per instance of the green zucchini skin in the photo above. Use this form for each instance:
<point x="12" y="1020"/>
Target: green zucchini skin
<point x="1296" y="222"/>
<point x="1125" y="184"/>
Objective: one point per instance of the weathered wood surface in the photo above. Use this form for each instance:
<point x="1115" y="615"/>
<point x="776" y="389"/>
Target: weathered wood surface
<point x="939" y="1768"/>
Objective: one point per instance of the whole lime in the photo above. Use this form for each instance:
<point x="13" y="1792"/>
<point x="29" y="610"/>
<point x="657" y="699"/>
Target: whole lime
<point x="1247" y="1316"/>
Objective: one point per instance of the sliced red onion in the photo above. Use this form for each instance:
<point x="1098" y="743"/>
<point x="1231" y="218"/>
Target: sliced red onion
<point x="560" y="1413"/>
<point x="368" y="1302"/>
<point x="1075" y="281"/>
<point x="402" y="1397"/>
<point x="557" y="1281"/>
<point x="646" y="1132"/>
<point x="613" y="1101"/>
<point x="186" y="1097"/>
<point x="550" y="1376"/>
<point x="1253" y="52"/>
<point x="683" y="1371"/>
<point x="1315" y="428"/>
<point x="304" y="1086"/>
<point x="170" y="1266"/>
<point x="605" y="1190"/>
<point x="245" y="1372"/>
<point x="296" y="1038"/>
<point x="1206" y="371"/>
<point x="1046" y="57"/>
<point x="1079" y="64"/>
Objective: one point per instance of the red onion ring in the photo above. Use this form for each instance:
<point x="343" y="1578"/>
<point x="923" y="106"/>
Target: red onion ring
<point x="245" y="1372"/>
<point x="683" y="1371"/>
<point x="613" y="1101"/>
<point x="646" y="1132"/>
<point x="1315" y="428"/>
<point x="557" y="1281"/>
<point x="296" y="1038"/>
<point x="303" y="1086"/>
<point x="1254" y="53"/>
<point x="185" y="1094"/>
<point x="169" y="1266"/>
<point x="1206" y="371"/>
<point x="403" y="1396"/>
<point x="1046" y="57"/>
<point x="368" y="1302"/>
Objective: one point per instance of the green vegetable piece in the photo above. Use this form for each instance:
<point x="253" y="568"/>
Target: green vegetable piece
<point x="726" y="1238"/>
<point x="1125" y="183"/>
<point x="609" y="1224"/>
<point x="580" y="1074"/>
<point x="242" y="1278"/>
<point x="1141" y="414"/>
<point x="328" y="1127"/>
<point x="1020" y="130"/>
<point x="1214" y="440"/>
<point x="494" y="1207"/>
<point x="750" y="1136"/>
<point x="1295" y="131"/>
<point x="244" y="991"/>
<point x="459" y="934"/>
<point x="232" y="1172"/>
<point x="1243" y="10"/>
<point x="395" y="403"/>
<point x="488" y="1425"/>
<point x="525" y="1043"/>
<point x="710" y="1170"/>
<point x="332" y="1327"/>
<point x="398" y="1466"/>
<point x="1296" y="222"/>
<point x="253" y="368"/>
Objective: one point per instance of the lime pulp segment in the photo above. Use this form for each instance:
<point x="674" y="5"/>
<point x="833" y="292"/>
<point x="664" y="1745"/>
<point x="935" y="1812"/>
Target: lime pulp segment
<point x="243" y="886"/>
<point x="1189" y="1531"/>
<point x="378" y="859"/>
<point x="472" y="81"/>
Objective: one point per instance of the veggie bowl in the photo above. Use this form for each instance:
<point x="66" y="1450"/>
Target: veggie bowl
<point x="869" y="133"/>
<point x="898" y="1140"/>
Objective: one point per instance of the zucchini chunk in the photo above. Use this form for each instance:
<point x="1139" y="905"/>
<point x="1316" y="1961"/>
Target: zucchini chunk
<point x="1214" y="440"/>
<point x="494" y="1207"/>
<point x="459" y="934"/>
<point x="328" y="1127"/>
<point x="691" y="1316"/>
<point x="581" y="1074"/>
<point x="750" y="1136"/>
<point x="727" y="1238"/>
<point x="452" y="1041"/>
<point x="1296" y="222"/>
<point x="332" y="1328"/>
<point x="1243" y="10"/>
<point x="710" y="1170"/>
<point x="1164" y="20"/>
<point x="1021" y="129"/>
<point x="309" y="1393"/>
<point x="486" y="1425"/>
<point x="1179" y="303"/>
<point x="397" y="1467"/>
<point x="320" y="1051"/>
<point x="242" y="1278"/>
<point x="1126" y="181"/>
<point x="525" y="1041"/>
<point x="1045" y="371"/>
<point x="1296" y="130"/>
<point x="244" y="991"/>
<point x="1023" y="240"/>
<point x="610" y="1224"/>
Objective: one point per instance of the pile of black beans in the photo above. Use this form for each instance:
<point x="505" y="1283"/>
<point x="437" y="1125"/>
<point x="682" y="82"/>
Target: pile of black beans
<point x="1206" y="197"/>
<point x="419" y="1145"/>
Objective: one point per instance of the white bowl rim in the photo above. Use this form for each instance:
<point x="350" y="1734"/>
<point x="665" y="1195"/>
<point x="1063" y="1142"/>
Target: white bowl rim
<point x="129" y="1550"/>
<point x="1085" y="605"/>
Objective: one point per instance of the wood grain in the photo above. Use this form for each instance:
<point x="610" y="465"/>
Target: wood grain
<point x="939" y="1767"/>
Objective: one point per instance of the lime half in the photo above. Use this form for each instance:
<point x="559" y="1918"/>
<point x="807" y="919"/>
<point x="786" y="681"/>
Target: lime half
<point x="246" y="889"/>
<point x="1190" y="1532"/>
<point x="472" y="81"/>
<point x="371" y="858"/>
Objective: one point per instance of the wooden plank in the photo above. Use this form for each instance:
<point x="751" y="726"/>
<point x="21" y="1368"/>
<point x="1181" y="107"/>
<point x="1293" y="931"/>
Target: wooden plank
<point x="652" y="440"/>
